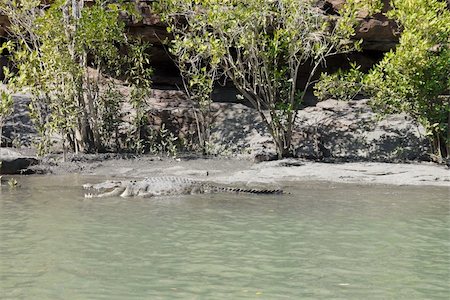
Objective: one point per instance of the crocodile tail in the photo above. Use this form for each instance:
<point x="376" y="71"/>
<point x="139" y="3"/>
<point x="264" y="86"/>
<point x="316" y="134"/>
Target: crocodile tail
<point x="250" y="191"/>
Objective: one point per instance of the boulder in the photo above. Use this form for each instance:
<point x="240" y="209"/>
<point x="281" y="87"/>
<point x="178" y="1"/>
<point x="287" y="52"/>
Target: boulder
<point x="332" y="131"/>
<point x="18" y="130"/>
<point x="13" y="162"/>
<point x="351" y="130"/>
<point x="377" y="32"/>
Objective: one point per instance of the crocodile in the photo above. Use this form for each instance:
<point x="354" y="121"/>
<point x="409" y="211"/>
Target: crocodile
<point x="158" y="186"/>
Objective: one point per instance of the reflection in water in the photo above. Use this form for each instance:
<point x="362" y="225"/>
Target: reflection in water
<point x="322" y="241"/>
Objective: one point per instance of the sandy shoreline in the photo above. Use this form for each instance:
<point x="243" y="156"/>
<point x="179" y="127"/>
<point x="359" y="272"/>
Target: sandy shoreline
<point x="242" y="171"/>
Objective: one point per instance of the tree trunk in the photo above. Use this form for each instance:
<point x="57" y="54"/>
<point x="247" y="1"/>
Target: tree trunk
<point x="1" y="132"/>
<point x="83" y="134"/>
<point x="283" y="141"/>
<point x="448" y="134"/>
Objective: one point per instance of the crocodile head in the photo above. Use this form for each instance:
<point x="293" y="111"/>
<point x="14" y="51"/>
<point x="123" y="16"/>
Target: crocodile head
<point x="103" y="186"/>
<point x="109" y="187"/>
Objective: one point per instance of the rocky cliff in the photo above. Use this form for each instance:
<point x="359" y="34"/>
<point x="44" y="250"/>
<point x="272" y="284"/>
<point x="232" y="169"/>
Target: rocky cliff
<point x="377" y="32"/>
<point x="330" y="131"/>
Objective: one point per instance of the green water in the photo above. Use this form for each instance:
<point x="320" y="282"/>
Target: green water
<point x="324" y="241"/>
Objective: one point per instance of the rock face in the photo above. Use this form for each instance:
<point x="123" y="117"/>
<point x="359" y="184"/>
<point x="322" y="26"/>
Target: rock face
<point x="333" y="130"/>
<point x="13" y="162"/>
<point x="377" y="32"/>
<point x="350" y="130"/>
<point x="18" y="130"/>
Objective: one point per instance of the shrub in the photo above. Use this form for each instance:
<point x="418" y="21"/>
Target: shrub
<point x="260" y="46"/>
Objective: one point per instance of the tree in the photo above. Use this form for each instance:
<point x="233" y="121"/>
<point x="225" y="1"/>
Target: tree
<point x="6" y="104"/>
<point x="261" y="45"/>
<point x="199" y="72"/>
<point x="65" y="55"/>
<point x="414" y="77"/>
<point x="198" y="65"/>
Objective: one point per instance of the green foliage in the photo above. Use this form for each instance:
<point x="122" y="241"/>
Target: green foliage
<point x="260" y="45"/>
<point x="64" y="56"/>
<point x="6" y="109"/>
<point x="6" y="105"/>
<point x="342" y="85"/>
<point x="163" y="142"/>
<point x="139" y="78"/>
<point x="413" y="78"/>
<point x="13" y="183"/>
<point x="136" y="63"/>
<point x="198" y="65"/>
<point x="109" y="108"/>
<point x="98" y="31"/>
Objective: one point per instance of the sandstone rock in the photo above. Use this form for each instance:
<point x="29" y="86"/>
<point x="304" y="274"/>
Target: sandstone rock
<point x="13" y="162"/>
<point x="356" y="134"/>
<point x="18" y="129"/>
<point x="332" y="105"/>
<point x="377" y="32"/>
<point x="332" y="130"/>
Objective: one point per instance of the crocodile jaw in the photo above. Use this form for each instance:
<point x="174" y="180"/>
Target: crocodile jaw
<point x="106" y="185"/>
<point x="103" y="189"/>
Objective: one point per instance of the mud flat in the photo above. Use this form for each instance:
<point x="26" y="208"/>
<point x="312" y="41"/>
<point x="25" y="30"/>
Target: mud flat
<point x="225" y="170"/>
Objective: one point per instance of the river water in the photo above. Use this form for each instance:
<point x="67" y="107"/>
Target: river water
<point x="323" y="241"/>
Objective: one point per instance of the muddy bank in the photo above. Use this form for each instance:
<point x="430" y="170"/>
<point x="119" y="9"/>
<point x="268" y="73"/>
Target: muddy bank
<point x="246" y="172"/>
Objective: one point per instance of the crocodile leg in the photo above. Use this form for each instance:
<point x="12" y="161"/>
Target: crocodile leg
<point x="146" y="194"/>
